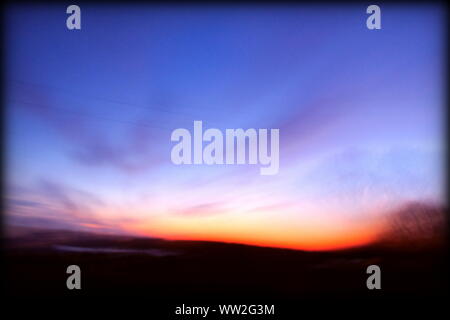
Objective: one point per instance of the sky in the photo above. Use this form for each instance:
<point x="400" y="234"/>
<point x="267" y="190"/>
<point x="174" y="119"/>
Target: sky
<point x="90" y="112"/>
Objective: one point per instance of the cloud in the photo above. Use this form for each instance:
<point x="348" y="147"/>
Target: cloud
<point x="357" y="180"/>
<point x="202" y="209"/>
<point x="89" y="145"/>
<point x="53" y="205"/>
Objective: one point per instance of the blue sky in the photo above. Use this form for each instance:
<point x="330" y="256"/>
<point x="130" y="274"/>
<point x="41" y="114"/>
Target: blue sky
<point x="90" y="112"/>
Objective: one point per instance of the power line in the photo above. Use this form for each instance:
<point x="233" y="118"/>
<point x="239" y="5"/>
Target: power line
<point x="91" y="116"/>
<point x="114" y="101"/>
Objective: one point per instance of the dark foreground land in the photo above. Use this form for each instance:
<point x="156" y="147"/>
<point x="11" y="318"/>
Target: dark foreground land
<point x="36" y="262"/>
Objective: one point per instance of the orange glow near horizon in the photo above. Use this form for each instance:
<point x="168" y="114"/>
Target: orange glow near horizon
<point x="264" y="234"/>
